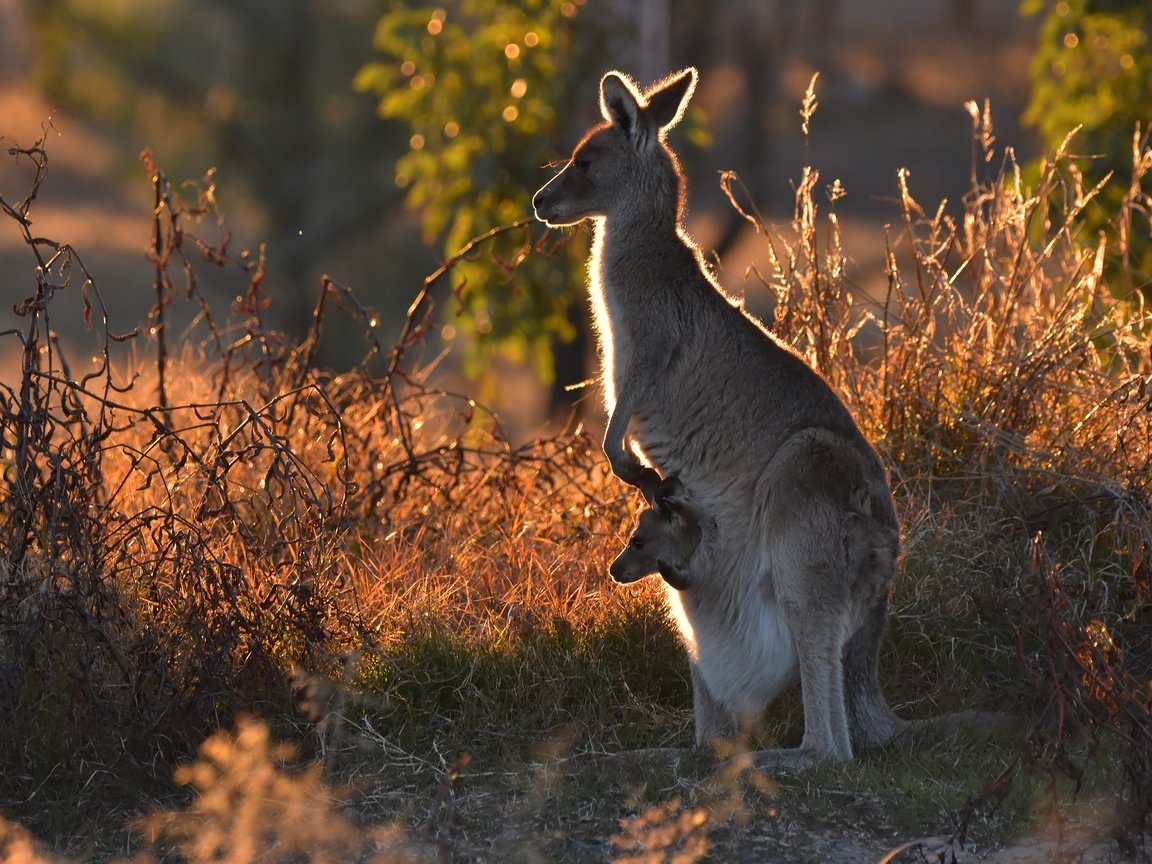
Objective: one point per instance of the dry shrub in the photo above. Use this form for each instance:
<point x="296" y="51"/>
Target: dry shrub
<point x="253" y="801"/>
<point x="252" y="805"/>
<point x="999" y="362"/>
<point x="17" y="846"/>
<point x="666" y="833"/>
<point x="178" y="534"/>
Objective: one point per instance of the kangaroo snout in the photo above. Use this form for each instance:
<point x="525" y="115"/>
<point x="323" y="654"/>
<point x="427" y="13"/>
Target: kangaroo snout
<point x="540" y="206"/>
<point x="545" y="204"/>
<point x="623" y="574"/>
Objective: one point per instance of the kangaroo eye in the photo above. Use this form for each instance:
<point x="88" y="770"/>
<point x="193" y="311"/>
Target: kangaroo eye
<point x="581" y="164"/>
<point x="637" y="543"/>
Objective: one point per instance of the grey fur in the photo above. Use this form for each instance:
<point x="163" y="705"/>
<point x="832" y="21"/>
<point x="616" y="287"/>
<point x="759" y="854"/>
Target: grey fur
<point x="806" y="537"/>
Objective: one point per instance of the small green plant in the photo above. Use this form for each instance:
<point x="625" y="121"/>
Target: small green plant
<point x="1092" y="72"/>
<point x="482" y="86"/>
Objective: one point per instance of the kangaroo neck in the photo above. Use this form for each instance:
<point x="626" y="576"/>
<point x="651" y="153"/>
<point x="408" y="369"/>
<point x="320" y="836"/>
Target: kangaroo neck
<point x="637" y="230"/>
<point x="628" y="252"/>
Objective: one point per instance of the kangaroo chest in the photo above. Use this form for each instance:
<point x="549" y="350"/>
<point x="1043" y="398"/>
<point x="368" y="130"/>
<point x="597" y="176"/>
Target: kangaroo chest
<point x="743" y="649"/>
<point x="632" y="293"/>
<point x="611" y="322"/>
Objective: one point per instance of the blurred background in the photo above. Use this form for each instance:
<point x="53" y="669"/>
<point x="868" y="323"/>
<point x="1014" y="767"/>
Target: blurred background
<point x="368" y="139"/>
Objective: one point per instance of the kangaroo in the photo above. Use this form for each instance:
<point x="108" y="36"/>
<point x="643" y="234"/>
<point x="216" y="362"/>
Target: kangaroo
<point x="696" y="387"/>
<point x="666" y="538"/>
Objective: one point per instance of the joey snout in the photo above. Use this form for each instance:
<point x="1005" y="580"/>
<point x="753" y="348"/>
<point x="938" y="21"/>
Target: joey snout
<point x="630" y="566"/>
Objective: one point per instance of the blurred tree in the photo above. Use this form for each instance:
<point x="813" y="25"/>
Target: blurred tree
<point x="259" y="88"/>
<point x="484" y="86"/>
<point x="1093" y="68"/>
<point x="494" y="92"/>
<point x="479" y="93"/>
<point x="15" y="52"/>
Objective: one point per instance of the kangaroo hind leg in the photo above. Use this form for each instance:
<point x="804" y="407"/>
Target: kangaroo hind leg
<point x="810" y="586"/>
<point x="713" y="720"/>
<point x="871" y="549"/>
<point x="826" y="732"/>
<point x="806" y="523"/>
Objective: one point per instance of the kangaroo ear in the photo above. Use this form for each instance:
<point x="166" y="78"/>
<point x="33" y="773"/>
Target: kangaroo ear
<point x="667" y="99"/>
<point x="620" y="102"/>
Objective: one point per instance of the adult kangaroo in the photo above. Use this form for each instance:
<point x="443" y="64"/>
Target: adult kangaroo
<point x="696" y="387"/>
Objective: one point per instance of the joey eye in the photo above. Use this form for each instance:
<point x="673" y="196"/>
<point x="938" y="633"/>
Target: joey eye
<point x="581" y="164"/>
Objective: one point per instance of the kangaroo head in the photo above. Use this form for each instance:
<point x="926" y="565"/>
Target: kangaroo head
<point x="665" y="539"/>
<point x="623" y="165"/>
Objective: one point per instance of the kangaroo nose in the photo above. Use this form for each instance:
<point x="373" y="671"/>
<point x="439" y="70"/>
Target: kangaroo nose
<point x="619" y="573"/>
<point x="539" y="206"/>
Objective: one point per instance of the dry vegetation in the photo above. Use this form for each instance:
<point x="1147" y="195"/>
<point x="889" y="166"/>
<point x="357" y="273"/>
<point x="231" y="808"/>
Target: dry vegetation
<point x="196" y="533"/>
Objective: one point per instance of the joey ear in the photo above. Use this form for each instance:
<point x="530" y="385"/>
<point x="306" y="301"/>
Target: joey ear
<point x="677" y="504"/>
<point x="669" y="495"/>
<point x="667" y="99"/>
<point x="673" y="575"/>
<point x="620" y="103"/>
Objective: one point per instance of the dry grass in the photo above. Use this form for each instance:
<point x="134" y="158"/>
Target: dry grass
<point x="221" y="527"/>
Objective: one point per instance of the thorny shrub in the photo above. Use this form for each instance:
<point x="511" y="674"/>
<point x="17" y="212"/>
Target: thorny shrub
<point x="177" y="535"/>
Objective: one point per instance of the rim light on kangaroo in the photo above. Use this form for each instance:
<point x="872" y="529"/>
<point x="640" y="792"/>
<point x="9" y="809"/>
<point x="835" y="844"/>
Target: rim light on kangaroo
<point x="794" y="576"/>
